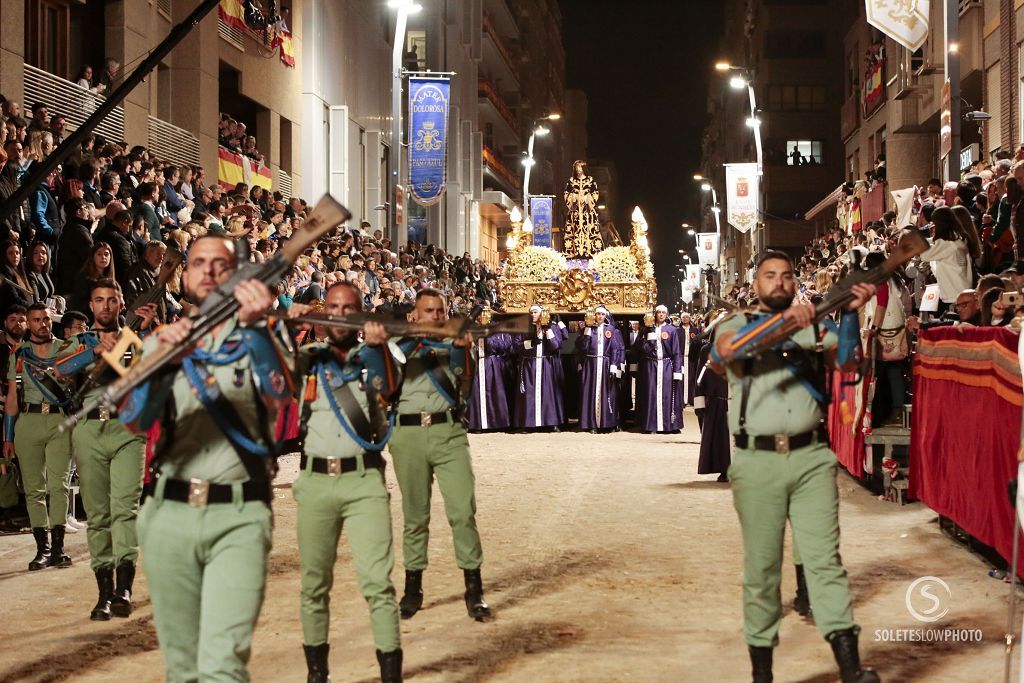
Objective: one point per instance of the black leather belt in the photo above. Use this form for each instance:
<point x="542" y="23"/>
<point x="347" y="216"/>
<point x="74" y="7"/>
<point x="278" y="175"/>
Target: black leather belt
<point x="41" y="408"/>
<point x="202" y="493"/>
<point x="425" y="419"/>
<point x="781" y="443"/>
<point x="335" y="466"/>
<point x="102" y="414"/>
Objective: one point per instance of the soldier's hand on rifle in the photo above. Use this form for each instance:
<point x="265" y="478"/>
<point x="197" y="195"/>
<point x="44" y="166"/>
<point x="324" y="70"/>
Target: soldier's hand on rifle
<point x="863" y="293"/>
<point x="801" y="314"/>
<point x="176" y="333"/>
<point x="107" y="341"/>
<point x="465" y="341"/>
<point x="148" y="314"/>
<point x="374" y="334"/>
<point x="254" y="299"/>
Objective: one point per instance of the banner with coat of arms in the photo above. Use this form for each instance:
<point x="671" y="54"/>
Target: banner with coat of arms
<point x="428" y="138"/>
<point x="707" y="248"/>
<point x="905" y="21"/>
<point x="741" y="191"/>
<point x="541" y="212"/>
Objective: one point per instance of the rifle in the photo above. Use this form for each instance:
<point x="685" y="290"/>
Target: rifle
<point x="775" y="329"/>
<point x="218" y="306"/>
<point x="401" y="327"/>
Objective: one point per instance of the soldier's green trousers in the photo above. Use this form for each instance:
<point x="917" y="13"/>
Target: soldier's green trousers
<point x="111" y="462"/>
<point x="9" y="486"/>
<point x="359" y="504"/>
<point x="206" y="569"/>
<point x="420" y="454"/>
<point x="44" y="455"/>
<point x="768" y="488"/>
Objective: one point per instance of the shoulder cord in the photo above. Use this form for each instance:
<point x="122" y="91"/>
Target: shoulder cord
<point x="200" y="379"/>
<point x="433" y="368"/>
<point x="336" y="409"/>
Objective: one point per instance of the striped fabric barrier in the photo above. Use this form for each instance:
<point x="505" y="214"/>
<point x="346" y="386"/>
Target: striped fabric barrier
<point x="965" y="429"/>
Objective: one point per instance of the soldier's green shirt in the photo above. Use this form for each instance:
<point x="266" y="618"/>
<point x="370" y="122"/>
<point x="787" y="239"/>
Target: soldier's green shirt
<point x="419" y="394"/>
<point x="26" y="354"/>
<point x="326" y="437"/>
<point x="199" y="449"/>
<point x="79" y="356"/>
<point x="779" y="403"/>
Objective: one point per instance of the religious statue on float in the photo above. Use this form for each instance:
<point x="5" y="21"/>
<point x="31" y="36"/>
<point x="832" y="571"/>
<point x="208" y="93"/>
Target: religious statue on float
<point x="582" y="229"/>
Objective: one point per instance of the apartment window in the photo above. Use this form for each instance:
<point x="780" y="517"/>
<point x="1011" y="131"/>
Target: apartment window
<point x="794" y="44"/>
<point x="796" y="97"/>
<point x="804" y="153"/>
<point x="47" y="36"/>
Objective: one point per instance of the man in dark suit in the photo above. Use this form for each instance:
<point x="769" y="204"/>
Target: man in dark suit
<point x="148" y="195"/>
<point x="630" y="336"/>
<point x="74" y="244"/>
<point x="689" y="339"/>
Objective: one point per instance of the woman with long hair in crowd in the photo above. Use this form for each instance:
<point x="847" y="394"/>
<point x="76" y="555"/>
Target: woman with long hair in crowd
<point x="15" y="288"/>
<point x="99" y="266"/>
<point x="38" y="271"/>
<point x="994" y="312"/>
<point x="950" y="256"/>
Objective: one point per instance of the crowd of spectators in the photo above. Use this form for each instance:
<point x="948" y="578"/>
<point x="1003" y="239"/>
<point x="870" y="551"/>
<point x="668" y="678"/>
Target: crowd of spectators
<point x="113" y="210"/>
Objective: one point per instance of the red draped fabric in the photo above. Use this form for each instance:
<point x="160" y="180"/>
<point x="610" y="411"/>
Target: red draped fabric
<point x="965" y="429"/>
<point x="845" y="430"/>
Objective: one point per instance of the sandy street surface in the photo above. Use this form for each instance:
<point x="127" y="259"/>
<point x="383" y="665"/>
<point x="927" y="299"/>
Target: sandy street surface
<point x="606" y="558"/>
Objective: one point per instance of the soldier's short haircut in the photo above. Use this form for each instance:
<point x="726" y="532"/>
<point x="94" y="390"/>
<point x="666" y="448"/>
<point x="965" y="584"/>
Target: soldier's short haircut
<point x="774" y="255"/>
<point x="104" y="283"/>
<point x="347" y="284"/>
<point x="37" y="306"/>
<point x="430" y="291"/>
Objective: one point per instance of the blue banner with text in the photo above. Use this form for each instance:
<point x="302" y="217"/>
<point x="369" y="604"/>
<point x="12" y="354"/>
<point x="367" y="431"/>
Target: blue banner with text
<point x="541" y="213"/>
<point x="428" y="138"/>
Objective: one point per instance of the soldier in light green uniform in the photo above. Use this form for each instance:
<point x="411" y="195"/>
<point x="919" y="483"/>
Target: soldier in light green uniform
<point x="15" y="323"/>
<point x="111" y="460"/>
<point x="341" y="480"/>
<point x="430" y="441"/>
<point x="33" y="412"/>
<point x="783" y="468"/>
<point x="205" y="532"/>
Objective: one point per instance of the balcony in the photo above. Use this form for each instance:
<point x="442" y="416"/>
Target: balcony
<point x="497" y="54"/>
<point x="168" y="142"/>
<point x="850" y="116"/>
<point x="500" y="171"/>
<point x="494" y="110"/>
<point x="71" y="100"/>
<point x="501" y="15"/>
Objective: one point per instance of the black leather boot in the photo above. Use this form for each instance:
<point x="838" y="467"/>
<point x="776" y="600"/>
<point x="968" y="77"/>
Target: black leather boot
<point x="58" y="558"/>
<point x="121" y="601"/>
<point x="802" y="601"/>
<point x="412" y="600"/>
<point x="844" y="647"/>
<point x="475" y="604"/>
<point x="105" y="583"/>
<point x="316" y="663"/>
<point x="761" y="663"/>
<point x="42" y="558"/>
<point x="390" y="666"/>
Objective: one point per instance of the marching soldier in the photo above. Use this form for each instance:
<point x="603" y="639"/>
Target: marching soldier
<point x="205" y="531"/>
<point x="783" y="467"/>
<point x="430" y="441"/>
<point x="15" y="322"/>
<point x="341" y="480"/>
<point x="33" y="412"/>
<point x="111" y="460"/>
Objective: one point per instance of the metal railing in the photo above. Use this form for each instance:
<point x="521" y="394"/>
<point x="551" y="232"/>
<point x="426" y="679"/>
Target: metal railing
<point x="72" y="101"/>
<point x="165" y="7"/>
<point x="232" y="34"/>
<point x="171" y="143"/>
<point x="284" y="183"/>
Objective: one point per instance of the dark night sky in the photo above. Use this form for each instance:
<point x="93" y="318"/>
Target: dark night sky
<point x="645" y="66"/>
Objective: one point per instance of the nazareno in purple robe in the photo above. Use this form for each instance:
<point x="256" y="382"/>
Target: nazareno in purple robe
<point x="490" y="405"/>
<point x="711" y="403"/>
<point x="537" y="383"/>
<point x="602" y="355"/>
<point x="660" y="367"/>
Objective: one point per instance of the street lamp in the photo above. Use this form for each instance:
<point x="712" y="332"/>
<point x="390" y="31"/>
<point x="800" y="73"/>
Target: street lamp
<point x="690" y="232"/>
<point x="738" y="81"/>
<point x="539" y="129"/>
<point x="405" y="8"/>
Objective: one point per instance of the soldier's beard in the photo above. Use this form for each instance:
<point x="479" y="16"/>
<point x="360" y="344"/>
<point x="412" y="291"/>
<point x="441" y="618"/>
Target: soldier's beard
<point x="778" y="302"/>
<point x="344" y="339"/>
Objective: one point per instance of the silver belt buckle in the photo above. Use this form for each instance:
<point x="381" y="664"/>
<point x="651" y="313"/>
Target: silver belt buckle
<point x="104" y="414"/>
<point x="426" y="419"/>
<point x="333" y="467"/>
<point x="44" y="408"/>
<point x="782" y="443"/>
<point x="198" y="493"/>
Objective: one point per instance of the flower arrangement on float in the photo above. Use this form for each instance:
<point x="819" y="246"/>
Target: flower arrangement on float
<point x="538" y="264"/>
<point x="617" y="264"/>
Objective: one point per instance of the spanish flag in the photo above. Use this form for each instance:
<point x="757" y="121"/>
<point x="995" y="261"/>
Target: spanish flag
<point x="284" y="40"/>
<point x="232" y="14"/>
<point x="234" y="168"/>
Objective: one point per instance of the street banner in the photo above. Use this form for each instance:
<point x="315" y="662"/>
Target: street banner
<point x="905" y="21"/>
<point x="428" y="138"/>
<point x="741" y="189"/>
<point x="541" y="208"/>
<point x="693" y="275"/>
<point x="707" y="249"/>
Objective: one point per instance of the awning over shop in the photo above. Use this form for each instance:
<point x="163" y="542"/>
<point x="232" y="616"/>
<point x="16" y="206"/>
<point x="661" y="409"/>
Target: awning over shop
<point x="830" y="200"/>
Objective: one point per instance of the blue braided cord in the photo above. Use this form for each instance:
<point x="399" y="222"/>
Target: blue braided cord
<point x="196" y="379"/>
<point x="336" y="409"/>
<point x="220" y="357"/>
<point x="9" y="421"/>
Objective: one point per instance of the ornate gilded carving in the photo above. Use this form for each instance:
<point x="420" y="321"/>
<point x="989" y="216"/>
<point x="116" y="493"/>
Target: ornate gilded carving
<point x="577" y="288"/>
